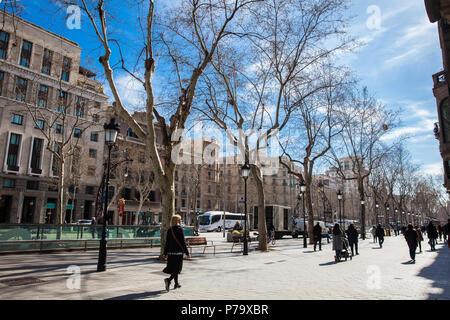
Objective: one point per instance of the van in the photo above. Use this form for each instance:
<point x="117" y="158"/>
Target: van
<point x="299" y="227"/>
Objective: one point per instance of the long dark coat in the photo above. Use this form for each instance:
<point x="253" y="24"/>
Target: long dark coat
<point x="174" y="251"/>
<point x="411" y="237"/>
<point x="352" y="235"/>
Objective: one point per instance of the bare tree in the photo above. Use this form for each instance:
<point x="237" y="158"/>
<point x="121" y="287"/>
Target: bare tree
<point x="366" y="123"/>
<point x="185" y="33"/>
<point x="258" y="83"/>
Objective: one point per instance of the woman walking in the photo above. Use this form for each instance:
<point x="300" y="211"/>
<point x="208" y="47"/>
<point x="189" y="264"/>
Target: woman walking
<point x="173" y="251"/>
<point x="419" y="237"/>
<point x="337" y="241"/>
<point x="411" y="237"/>
<point x="352" y="236"/>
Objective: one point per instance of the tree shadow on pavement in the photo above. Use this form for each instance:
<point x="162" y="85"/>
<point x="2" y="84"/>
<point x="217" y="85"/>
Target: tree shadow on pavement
<point x="439" y="273"/>
<point x="136" y="296"/>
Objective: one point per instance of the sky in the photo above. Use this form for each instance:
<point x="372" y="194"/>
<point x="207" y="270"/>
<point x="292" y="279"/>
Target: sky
<point x="399" y="55"/>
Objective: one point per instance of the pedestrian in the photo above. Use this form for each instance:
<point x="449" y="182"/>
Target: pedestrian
<point x="419" y="237"/>
<point x="93" y="220"/>
<point x="445" y="232"/>
<point x="237" y="226"/>
<point x="439" y="230"/>
<point x="337" y="241"/>
<point x="352" y="236"/>
<point x="432" y="235"/>
<point x="411" y="239"/>
<point x="374" y="235"/>
<point x="379" y="232"/>
<point x="317" y="236"/>
<point x="174" y="249"/>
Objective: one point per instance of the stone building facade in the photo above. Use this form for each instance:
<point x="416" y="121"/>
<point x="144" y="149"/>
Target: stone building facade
<point x="44" y="95"/>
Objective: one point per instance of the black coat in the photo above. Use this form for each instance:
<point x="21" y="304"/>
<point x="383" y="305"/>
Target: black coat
<point x="432" y="232"/>
<point x="317" y="232"/>
<point x="352" y="235"/>
<point x="379" y="232"/>
<point x="411" y="237"/>
<point x="171" y="244"/>
<point x="174" y="250"/>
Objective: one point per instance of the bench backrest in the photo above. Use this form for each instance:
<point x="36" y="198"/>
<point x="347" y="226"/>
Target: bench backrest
<point x="196" y="241"/>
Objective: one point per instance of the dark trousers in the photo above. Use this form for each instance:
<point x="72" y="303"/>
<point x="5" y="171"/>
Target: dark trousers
<point x="380" y="241"/>
<point x="420" y="246"/>
<point x="433" y="244"/>
<point x="355" y="246"/>
<point x="317" y="241"/>
<point x="412" y="251"/>
<point x="175" y="277"/>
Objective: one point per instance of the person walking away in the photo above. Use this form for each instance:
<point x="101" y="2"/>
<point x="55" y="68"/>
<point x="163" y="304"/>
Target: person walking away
<point x="379" y="232"/>
<point x="419" y="237"/>
<point x="337" y="241"/>
<point x="352" y="236"/>
<point x="374" y="235"/>
<point x="317" y="235"/>
<point x="270" y="231"/>
<point x="174" y="249"/>
<point x="445" y="232"/>
<point x="432" y="235"/>
<point x="439" y="230"/>
<point x="411" y="237"/>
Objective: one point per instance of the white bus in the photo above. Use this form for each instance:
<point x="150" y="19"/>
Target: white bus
<point x="213" y="220"/>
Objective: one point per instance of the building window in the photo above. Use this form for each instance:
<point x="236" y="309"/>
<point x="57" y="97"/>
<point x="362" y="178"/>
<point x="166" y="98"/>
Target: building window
<point x="25" y="55"/>
<point x="95" y="117"/>
<point x="9" y="183"/>
<point x="12" y="160"/>
<point x="130" y="133"/>
<point x="55" y="161"/>
<point x="47" y="61"/>
<point x="58" y="128"/>
<point x="445" y="120"/>
<point x="2" y="76"/>
<point x="32" y="185"/>
<point x="183" y="203"/>
<point x="17" y="119"/>
<point x="79" y="107"/>
<point x="89" y="190"/>
<point x="94" y="136"/>
<point x="77" y="133"/>
<point x="42" y="96"/>
<point x="4" y="40"/>
<point x="21" y="89"/>
<point x="36" y="156"/>
<point x="141" y="157"/>
<point x="40" y="124"/>
<point x="65" y="74"/>
<point x="92" y="153"/>
<point x="62" y="104"/>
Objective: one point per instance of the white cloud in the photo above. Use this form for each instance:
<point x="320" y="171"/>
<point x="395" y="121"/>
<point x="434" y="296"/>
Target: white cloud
<point x="131" y="91"/>
<point x="433" y="169"/>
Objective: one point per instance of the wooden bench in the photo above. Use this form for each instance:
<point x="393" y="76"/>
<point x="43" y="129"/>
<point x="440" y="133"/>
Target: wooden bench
<point x="199" y="241"/>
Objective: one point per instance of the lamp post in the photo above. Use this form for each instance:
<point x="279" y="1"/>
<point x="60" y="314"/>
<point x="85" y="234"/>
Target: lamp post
<point x="302" y="190"/>
<point x="245" y="172"/>
<point x="363" y="233"/>
<point x="339" y="196"/>
<point x="396" y="221"/>
<point x="386" y="225"/>
<point x="376" y="213"/>
<point x="111" y="131"/>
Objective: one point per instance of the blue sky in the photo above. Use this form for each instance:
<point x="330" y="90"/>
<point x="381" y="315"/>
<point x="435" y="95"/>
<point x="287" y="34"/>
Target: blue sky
<point x="400" y="55"/>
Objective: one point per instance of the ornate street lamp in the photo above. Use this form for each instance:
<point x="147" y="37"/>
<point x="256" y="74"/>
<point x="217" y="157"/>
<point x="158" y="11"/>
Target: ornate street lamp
<point x="376" y="213"/>
<point x="245" y="170"/>
<point x="363" y="233"/>
<point x="339" y="196"/>
<point x="396" y="221"/>
<point x="111" y="131"/>
<point x="303" y="190"/>
<point x="386" y="225"/>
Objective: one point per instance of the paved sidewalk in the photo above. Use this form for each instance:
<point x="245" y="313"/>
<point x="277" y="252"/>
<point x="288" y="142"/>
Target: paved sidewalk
<point x="287" y="272"/>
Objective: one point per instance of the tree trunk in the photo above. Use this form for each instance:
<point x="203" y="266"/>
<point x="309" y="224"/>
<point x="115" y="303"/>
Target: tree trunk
<point x="262" y="226"/>
<point x="168" y="205"/>
<point x="363" y="213"/>
<point x="309" y="208"/>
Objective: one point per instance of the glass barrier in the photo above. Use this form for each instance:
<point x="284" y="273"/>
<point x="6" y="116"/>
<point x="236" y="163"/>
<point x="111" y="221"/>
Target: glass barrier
<point x="75" y="232"/>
